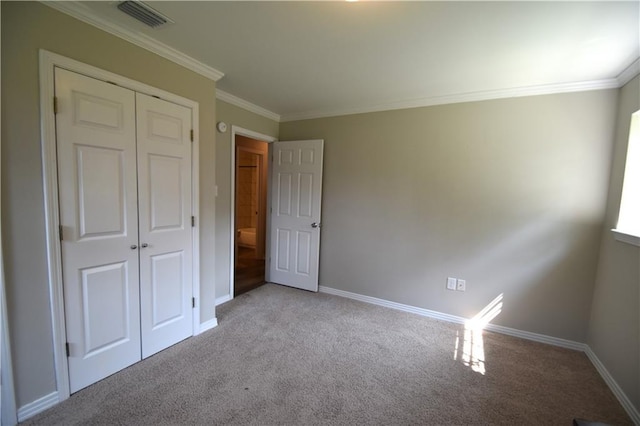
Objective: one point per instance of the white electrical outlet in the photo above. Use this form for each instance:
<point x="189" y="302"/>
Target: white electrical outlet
<point x="451" y="283"/>
<point x="462" y="285"/>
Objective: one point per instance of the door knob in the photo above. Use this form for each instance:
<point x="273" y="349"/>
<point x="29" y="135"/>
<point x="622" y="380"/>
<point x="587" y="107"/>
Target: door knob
<point x="315" y="225"/>
<point x="133" y="246"/>
<point x="144" y="245"/>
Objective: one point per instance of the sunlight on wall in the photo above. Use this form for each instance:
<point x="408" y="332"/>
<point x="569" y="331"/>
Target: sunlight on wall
<point x="472" y="353"/>
<point x="541" y="246"/>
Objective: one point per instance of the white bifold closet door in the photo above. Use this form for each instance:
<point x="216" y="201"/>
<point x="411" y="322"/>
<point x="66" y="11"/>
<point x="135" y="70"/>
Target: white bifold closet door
<point x="124" y="182"/>
<point x="164" y="200"/>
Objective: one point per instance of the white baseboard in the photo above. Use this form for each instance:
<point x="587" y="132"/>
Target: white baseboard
<point x="456" y="319"/>
<point x="393" y="305"/>
<point x="542" y="338"/>
<point x="223" y="299"/>
<point x="37" y="406"/>
<point x="208" y="325"/>
<point x="613" y="385"/>
<point x="569" y="344"/>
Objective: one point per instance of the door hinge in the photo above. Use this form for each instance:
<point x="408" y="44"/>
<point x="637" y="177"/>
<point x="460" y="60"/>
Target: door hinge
<point x="61" y="232"/>
<point x="193" y="302"/>
<point x="193" y="221"/>
<point x="191" y="135"/>
<point x="55" y="105"/>
<point x="66" y="347"/>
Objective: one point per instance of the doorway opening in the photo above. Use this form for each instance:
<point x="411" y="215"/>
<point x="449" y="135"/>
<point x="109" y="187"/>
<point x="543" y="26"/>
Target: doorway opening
<point x="251" y="175"/>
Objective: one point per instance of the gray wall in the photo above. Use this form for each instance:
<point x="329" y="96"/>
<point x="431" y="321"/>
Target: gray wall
<point x="614" y="330"/>
<point x="507" y="194"/>
<point x="27" y="27"/>
<point x="232" y="115"/>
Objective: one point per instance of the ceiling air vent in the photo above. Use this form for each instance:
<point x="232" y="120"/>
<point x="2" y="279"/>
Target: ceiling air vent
<point x="143" y="13"/>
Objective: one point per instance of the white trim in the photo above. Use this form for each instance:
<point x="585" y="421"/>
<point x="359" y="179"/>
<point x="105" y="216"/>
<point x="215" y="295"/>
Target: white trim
<point x="208" y="325"/>
<point x="195" y="211"/>
<point x="232" y="216"/>
<point x="85" y="14"/>
<point x="625" y="237"/>
<point x="241" y="103"/>
<point x="237" y="130"/>
<point x="48" y="61"/>
<point x="458" y="98"/>
<point x="53" y="59"/>
<point x="613" y="385"/>
<point x="267" y="234"/>
<point x="630" y="72"/>
<point x="38" y="406"/>
<point x="455" y="319"/>
<point x="8" y="415"/>
<point x="223" y="299"/>
<point x="51" y="209"/>
<point x="392" y="305"/>
<point x="541" y="338"/>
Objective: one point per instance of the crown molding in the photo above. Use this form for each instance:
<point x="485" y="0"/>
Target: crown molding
<point x="517" y="92"/>
<point x="84" y="14"/>
<point x="630" y="72"/>
<point x="241" y="103"/>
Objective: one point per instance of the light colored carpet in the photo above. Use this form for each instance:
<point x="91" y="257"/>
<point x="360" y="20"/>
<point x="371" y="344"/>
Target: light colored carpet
<point x="286" y="356"/>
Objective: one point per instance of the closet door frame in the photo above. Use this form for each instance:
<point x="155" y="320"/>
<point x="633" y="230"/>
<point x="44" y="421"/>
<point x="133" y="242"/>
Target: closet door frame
<point x="48" y="62"/>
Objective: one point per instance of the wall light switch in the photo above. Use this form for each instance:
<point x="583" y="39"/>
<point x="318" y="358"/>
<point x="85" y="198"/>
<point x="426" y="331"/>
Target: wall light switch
<point x="462" y="285"/>
<point x="451" y="283"/>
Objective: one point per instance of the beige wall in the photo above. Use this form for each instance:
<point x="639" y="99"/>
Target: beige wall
<point x="507" y="194"/>
<point x="27" y="27"/>
<point x="614" y="330"/>
<point x="235" y="116"/>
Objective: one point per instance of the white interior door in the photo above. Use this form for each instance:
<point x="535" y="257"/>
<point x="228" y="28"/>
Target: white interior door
<point x="164" y="182"/>
<point x="96" y="143"/>
<point x="295" y="213"/>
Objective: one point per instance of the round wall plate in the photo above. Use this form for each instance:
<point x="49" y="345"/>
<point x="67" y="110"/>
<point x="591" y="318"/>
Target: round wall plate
<point x="222" y="126"/>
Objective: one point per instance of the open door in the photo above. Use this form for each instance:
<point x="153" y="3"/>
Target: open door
<point x="250" y="213"/>
<point x="295" y="213"/>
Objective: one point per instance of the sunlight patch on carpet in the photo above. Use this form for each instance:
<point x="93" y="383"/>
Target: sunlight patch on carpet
<point x="472" y="352"/>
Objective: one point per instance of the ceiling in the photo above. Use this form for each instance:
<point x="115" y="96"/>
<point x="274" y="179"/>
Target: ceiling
<point x="310" y="59"/>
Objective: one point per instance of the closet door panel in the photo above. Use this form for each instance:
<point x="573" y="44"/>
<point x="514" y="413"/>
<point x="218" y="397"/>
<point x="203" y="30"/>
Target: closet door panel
<point x="96" y="147"/>
<point x="164" y="181"/>
<point x="165" y="193"/>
